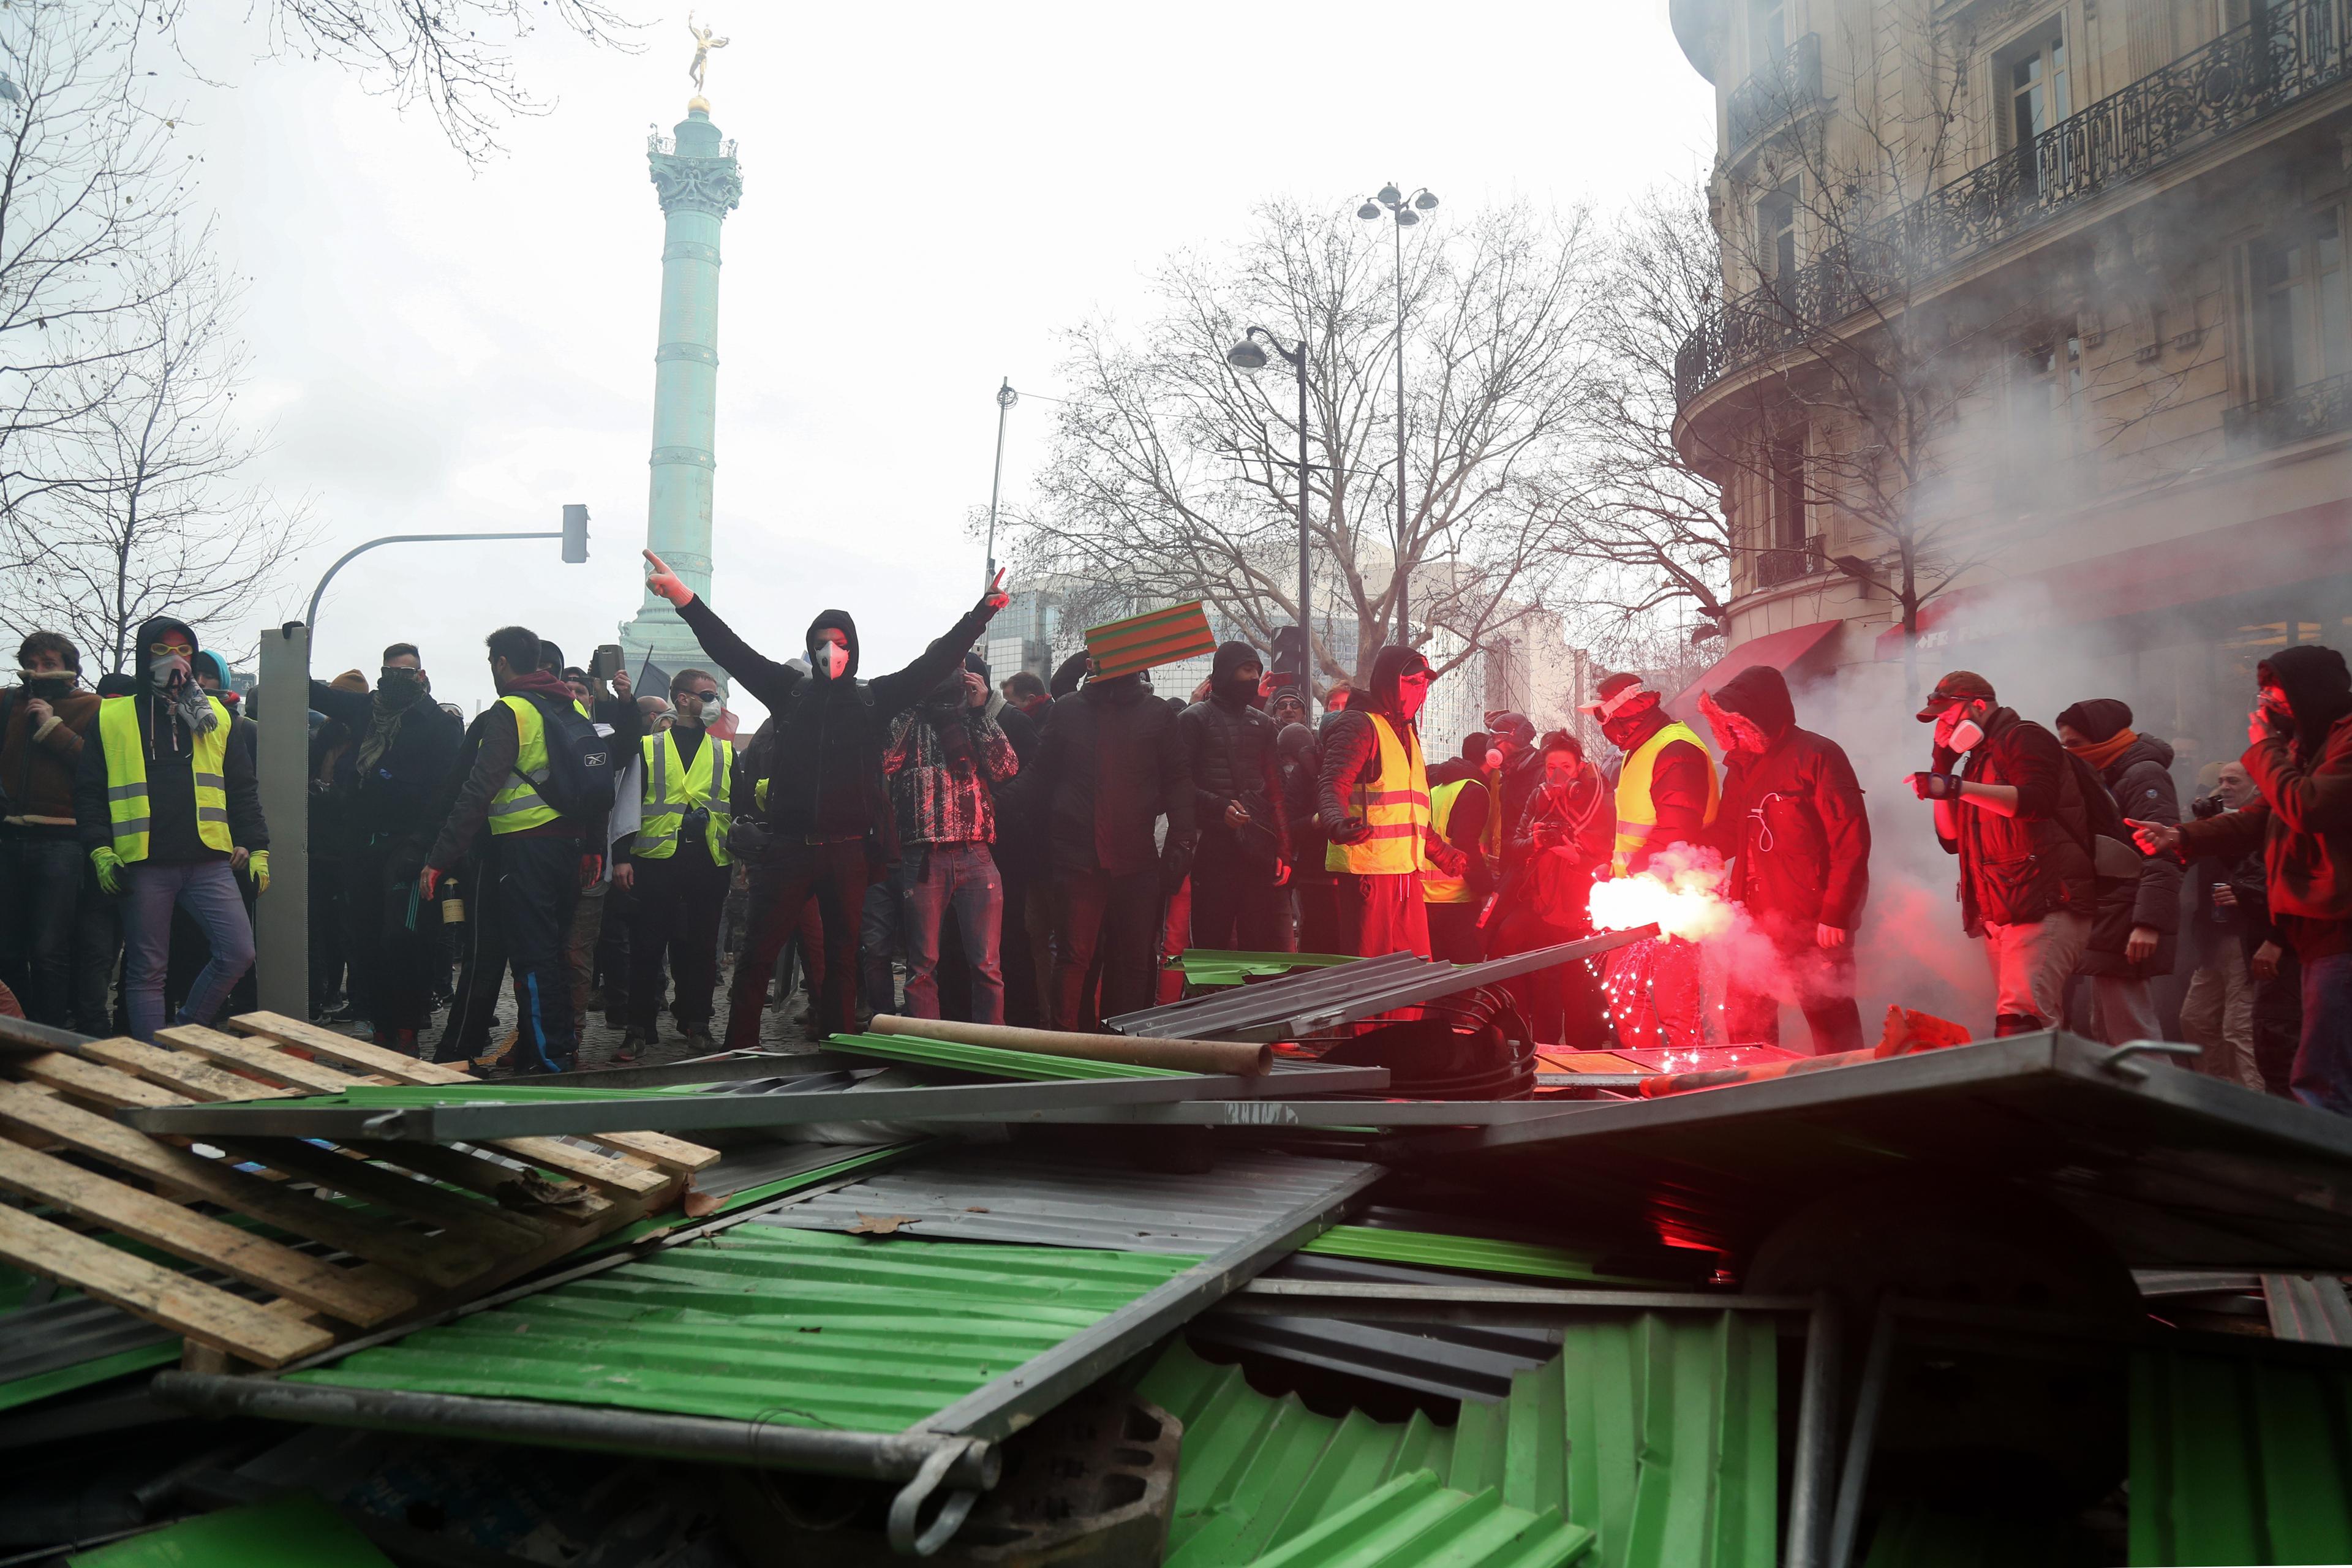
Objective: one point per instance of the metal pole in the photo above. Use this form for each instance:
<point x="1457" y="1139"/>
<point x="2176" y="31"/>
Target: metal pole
<point x="1305" y="617"/>
<point x="310" y="617"/>
<point x="1404" y="568"/>
<point x="1853" y="1475"/>
<point x="1005" y="398"/>
<point x="283" y="915"/>
<point x="1809" y="1468"/>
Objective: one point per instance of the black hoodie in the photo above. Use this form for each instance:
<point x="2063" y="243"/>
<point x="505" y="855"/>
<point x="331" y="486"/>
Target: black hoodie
<point x="824" y="770"/>
<point x="171" y="750"/>
<point x="1109" y="765"/>
<point x="1230" y="743"/>
<point x="1351" y="746"/>
<point x="1791" y="822"/>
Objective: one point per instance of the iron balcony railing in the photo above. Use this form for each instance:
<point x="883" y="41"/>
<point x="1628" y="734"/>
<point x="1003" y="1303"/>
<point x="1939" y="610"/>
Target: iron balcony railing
<point x="2288" y="52"/>
<point x="1783" y="88"/>
<point x="1774" y="567"/>
<point x="2322" y="408"/>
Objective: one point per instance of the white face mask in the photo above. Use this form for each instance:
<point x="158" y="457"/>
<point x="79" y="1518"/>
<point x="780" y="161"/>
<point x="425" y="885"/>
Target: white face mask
<point x="829" y="660"/>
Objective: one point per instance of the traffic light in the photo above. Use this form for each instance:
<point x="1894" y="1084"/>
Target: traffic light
<point x="575" y="533"/>
<point x="1289" y="656"/>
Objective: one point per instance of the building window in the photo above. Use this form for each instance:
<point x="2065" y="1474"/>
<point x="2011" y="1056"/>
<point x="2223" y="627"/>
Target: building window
<point x="2032" y="72"/>
<point x="2303" y="319"/>
<point x="1776" y="235"/>
<point x="1787" y="549"/>
<point x="1767" y="34"/>
<point x="2045" y="395"/>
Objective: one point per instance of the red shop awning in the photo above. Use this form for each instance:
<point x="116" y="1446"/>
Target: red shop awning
<point x="2268" y="553"/>
<point x="1783" y="651"/>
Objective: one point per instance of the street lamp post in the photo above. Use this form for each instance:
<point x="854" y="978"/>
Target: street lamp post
<point x="1404" y="211"/>
<point x="1247" y="355"/>
<point x="1005" y="398"/>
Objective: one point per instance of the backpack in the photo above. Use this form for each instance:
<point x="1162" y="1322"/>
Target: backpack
<point x="2114" y="857"/>
<point x="583" y="768"/>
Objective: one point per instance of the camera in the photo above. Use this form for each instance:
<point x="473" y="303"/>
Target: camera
<point x="2208" y="806"/>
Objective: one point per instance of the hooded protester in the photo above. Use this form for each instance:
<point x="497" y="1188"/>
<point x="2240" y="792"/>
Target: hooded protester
<point x="1667" y="796"/>
<point x="945" y="758"/>
<point x="1374" y="805"/>
<point x="524" y="864"/>
<point x="1244" y="855"/>
<point x="57" y="940"/>
<point x="1793" y="827"/>
<point x="403" y="748"/>
<point x="1109" y="767"/>
<point x="166" y="806"/>
<point x="2300" y="754"/>
<point x="2016" y="817"/>
<point x="1555" y="851"/>
<point x="826" y="807"/>
<point x="2136" y="934"/>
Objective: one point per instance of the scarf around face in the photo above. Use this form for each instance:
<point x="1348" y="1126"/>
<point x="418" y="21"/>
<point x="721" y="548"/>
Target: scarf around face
<point x="2099" y="753"/>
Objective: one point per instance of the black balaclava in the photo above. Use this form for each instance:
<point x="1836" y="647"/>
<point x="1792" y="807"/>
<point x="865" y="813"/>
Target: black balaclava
<point x="1224" y="685"/>
<point x="819" y="664"/>
<point x="1633" y="723"/>
<point x="943" y="710"/>
<point x="2318" y="691"/>
<point x="1388" y="666"/>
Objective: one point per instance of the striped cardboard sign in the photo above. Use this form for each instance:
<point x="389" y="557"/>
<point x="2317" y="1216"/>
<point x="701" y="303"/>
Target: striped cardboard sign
<point x="1157" y="636"/>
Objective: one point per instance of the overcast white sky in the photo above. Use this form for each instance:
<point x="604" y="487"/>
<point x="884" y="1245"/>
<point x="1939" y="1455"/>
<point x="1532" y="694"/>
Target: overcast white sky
<point x="931" y="193"/>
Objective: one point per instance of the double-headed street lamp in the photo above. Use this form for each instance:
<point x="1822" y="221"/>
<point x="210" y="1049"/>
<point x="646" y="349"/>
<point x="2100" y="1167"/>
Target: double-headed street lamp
<point x="1247" y="355"/>
<point x="1404" y="211"/>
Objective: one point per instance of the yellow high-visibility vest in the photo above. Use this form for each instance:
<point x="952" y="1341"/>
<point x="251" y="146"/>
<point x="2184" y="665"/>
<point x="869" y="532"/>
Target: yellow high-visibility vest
<point x="1397" y="808"/>
<point x="1637" y="812"/>
<point x="673" y="788"/>
<point x="517" y="806"/>
<point x="126" y="778"/>
<point x="1436" y="887"/>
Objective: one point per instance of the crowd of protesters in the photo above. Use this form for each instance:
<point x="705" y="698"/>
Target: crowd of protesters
<point x="1037" y="853"/>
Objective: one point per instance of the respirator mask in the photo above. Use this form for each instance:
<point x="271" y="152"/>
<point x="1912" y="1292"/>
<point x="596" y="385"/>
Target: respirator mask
<point x="829" y="659"/>
<point x="1967" y="735"/>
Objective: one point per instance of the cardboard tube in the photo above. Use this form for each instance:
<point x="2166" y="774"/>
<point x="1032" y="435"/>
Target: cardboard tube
<point x="1239" y="1056"/>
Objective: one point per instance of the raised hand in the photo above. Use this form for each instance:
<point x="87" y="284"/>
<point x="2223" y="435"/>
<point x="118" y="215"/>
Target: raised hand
<point x="663" y="582"/>
<point x="996" y="598"/>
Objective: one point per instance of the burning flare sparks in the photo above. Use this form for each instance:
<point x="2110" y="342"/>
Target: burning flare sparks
<point x="1681" y="892"/>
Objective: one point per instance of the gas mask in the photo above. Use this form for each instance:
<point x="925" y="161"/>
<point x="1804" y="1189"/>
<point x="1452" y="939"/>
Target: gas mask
<point x="1967" y="735"/>
<point x="828" y="658"/>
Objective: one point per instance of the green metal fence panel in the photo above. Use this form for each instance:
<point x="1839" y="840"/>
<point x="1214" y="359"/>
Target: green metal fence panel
<point x="1214" y="966"/>
<point x="801" y="1328"/>
<point x="1658" y="1434"/>
<point x="1431" y="1249"/>
<point x="298" y="1531"/>
<point x="1413" y="1522"/>
<point x="2239" y="1459"/>
<point x="993" y="1060"/>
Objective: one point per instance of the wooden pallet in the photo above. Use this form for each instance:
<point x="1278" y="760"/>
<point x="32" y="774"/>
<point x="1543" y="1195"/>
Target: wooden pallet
<point x="333" y="1241"/>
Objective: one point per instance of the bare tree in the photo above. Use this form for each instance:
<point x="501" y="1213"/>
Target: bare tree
<point x="91" y="189"/>
<point x="455" y="56"/>
<point x="1646" y="529"/>
<point x="158" y="521"/>
<point x="1175" y="477"/>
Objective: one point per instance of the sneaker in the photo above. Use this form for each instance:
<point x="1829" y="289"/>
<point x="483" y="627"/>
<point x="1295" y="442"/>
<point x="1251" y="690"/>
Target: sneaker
<point x="497" y="1056"/>
<point x="632" y="1047"/>
<point x="698" y="1039"/>
<point x="404" y="1041"/>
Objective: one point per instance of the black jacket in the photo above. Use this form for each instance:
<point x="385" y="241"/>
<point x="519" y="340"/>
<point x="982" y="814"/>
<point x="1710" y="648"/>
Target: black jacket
<point x="394" y="798"/>
<point x="824" y="770"/>
<point x="1791" y="822"/>
<point x="171" y="837"/>
<point x="2140" y="779"/>
<point x="1230" y="747"/>
<point x="2016" y="869"/>
<point x="1109" y="767"/>
<point x="1300" y="758"/>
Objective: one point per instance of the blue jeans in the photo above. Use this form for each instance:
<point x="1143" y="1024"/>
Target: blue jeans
<point x="2323" y="1063"/>
<point x="933" y="880"/>
<point x="208" y="892"/>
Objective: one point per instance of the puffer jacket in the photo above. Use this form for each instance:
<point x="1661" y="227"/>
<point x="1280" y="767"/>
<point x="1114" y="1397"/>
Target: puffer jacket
<point x="1793" y="823"/>
<point x="2017" y="869"/>
<point x="1231" y="749"/>
<point x="2140" y="779"/>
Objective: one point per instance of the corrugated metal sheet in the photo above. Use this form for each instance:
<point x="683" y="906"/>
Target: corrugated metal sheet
<point x="758" y="1322"/>
<point x="1269" y="1002"/>
<point x="990" y="1059"/>
<point x="1656" y="1433"/>
<point x="1212" y="966"/>
<point x="2308" y="1307"/>
<point x="1431" y="1249"/>
<point x="1413" y="1521"/>
<point x="2240" y="1458"/>
<point x="1027" y="1195"/>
